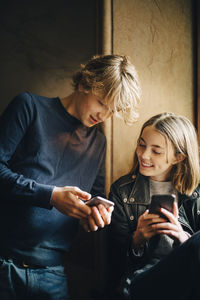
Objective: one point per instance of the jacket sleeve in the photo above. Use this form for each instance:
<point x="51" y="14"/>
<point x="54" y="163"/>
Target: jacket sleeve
<point x="120" y="237"/>
<point x="119" y="228"/>
<point x="14" y="124"/>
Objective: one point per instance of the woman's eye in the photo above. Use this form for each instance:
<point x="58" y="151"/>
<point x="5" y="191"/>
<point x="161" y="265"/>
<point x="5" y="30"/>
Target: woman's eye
<point x="141" y="145"/>
<point x="156" y="152"/>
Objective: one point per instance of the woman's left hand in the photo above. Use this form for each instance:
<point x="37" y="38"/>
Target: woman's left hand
<point x="172" y="227"/>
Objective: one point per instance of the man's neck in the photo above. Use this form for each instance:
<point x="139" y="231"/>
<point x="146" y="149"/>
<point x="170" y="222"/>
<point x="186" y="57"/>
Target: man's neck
<point x="68" y="103"/>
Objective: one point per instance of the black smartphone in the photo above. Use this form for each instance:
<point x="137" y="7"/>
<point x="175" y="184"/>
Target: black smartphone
<point x="161" y="201"/>
<point x="99" y="200"/>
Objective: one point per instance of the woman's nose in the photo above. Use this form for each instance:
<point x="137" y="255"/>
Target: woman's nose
<point x="146" y="153"/>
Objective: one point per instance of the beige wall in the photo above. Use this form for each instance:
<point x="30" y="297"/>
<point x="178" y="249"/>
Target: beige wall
<point x="157" y="35"/>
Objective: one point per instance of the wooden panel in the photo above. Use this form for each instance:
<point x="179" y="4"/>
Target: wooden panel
<point x="197" y="44"/>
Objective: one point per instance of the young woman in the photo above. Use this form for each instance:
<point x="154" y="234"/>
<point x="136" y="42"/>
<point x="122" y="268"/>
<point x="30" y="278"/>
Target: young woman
<point x="166" y="161"/>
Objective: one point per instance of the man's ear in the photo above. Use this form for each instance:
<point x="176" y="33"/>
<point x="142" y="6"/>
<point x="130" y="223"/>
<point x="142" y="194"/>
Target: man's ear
<point x="80" y="88"/>
<point x="179" y="157"/>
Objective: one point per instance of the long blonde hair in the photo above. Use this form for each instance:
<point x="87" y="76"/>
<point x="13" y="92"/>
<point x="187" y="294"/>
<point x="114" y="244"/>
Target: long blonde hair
<point x="182" y="134"/>
<point x="114" y="79"/>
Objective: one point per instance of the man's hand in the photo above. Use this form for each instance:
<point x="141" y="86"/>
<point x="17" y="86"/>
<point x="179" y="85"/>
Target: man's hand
<point x="68" y="201"/>
<point x="99" y="218"/>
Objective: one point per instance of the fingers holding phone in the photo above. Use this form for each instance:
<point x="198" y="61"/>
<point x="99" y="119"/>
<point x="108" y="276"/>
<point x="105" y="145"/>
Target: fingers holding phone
<point x="101" y="212"/>
<point x="161" y="201"/>
<point x="144" y="229"/>
<point x="167" y="207"/>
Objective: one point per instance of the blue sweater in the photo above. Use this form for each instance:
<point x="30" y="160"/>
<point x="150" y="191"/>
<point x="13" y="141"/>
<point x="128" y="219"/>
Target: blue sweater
<point x="42" y="146"/>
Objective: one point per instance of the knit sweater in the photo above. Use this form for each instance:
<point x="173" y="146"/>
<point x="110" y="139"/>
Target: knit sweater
<point x="42" y="146"/>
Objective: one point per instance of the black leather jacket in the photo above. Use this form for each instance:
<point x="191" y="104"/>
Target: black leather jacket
<point x="132" y="197"/>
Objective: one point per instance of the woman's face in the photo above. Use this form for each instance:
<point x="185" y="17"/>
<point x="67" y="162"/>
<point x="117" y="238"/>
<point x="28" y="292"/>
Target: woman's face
<point x="156" y="156"/>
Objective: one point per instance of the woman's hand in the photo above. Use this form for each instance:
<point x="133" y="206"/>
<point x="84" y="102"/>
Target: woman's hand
<point x="145" y="229"/>
<point x="172" y="228"/>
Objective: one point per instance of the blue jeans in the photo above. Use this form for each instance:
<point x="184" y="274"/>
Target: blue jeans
<point x="19" y="283"/>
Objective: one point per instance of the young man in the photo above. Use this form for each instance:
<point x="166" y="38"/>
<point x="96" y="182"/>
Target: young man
<point x="51" y="162"/>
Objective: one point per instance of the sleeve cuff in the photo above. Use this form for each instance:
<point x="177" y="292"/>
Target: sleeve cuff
<point x="139" y="252"/>
<point x="44" y="193"/>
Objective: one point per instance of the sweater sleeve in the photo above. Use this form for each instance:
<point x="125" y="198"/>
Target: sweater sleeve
<point x="14" y="124"/>
<point x="98" y="188"/>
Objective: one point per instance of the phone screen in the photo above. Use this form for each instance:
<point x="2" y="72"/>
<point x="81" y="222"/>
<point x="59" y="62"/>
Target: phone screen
<point x="161" y="201"/>
<point x="99" y="200"/>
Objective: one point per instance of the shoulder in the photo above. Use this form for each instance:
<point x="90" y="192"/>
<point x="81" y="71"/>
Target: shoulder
<point x="98" y="136"/>
<point x="193" y="198"/>
<point x="19" y="106"/>
<point x="33" y="102"/>
<point x="24" y="106"/>
<point x="101" y="136"/>
<point x="197" y="190"/>
<point x="196" y="193"/>
<point x="99" y="130"/>
<point x="125" y="184"/>
<point x="23" y="99"/>
<point x="30" y="97"/>
<point x="123" y="181"/>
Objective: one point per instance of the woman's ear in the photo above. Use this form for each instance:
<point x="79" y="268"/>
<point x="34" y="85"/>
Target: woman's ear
<point x="179" y="157"/>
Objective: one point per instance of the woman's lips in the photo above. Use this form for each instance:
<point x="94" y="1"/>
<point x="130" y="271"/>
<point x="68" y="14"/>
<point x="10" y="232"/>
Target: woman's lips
<point x="145" y="165"/>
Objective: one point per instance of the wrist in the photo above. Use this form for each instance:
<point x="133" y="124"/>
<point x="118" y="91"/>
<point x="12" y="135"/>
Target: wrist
<point x="185" y="237"/>
<point x="53" y="195"/>
<point x="137" y="242"/>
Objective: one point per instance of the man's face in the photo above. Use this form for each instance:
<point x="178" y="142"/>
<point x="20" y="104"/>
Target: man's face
<point x="91" y="109"/>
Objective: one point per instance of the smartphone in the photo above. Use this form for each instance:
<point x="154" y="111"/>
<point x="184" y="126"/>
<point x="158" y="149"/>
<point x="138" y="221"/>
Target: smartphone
<point x="161" y="201"/>
<point x="99" y="200"/>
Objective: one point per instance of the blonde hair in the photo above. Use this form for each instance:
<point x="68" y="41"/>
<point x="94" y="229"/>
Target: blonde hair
<point x="181" y="133"/>
<point x="114" y="79"/>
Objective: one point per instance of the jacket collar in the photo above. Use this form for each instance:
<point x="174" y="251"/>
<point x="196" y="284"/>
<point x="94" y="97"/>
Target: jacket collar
<point x="140" y="189"/>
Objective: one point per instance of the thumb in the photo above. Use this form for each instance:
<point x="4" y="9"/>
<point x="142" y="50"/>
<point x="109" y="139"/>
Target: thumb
<point x="175" y="210"/>
<point x="110" y="209"/>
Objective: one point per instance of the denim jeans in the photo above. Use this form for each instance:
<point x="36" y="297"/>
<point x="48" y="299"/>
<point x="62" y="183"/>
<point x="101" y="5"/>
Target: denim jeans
<point x="19" y="283"/>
